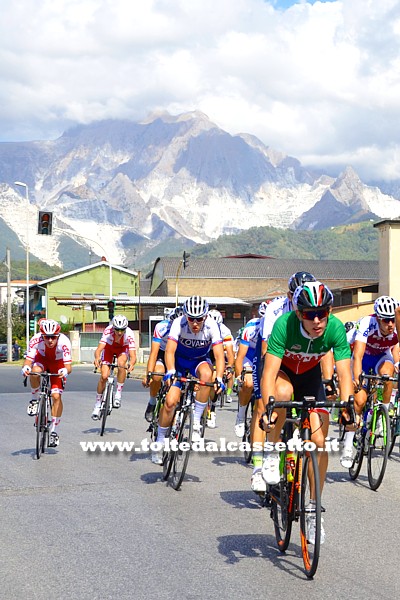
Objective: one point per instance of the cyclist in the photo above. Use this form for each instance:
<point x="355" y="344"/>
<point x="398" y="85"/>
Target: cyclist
<point x="298" y="341"/>
<point x="49" y="350"/>
<point x="270" y="313"/>
<point x="117" y="339"/>
<point x="227" y="342"/>
<point x="281" y="305"/>
<point x="189" y="341"/>
<point x="244" y="361"/>
<point x="156" y="361"/>
<point x="375" y="348"/>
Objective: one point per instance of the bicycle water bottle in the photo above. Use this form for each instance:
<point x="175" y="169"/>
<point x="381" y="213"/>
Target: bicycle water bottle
<point x="290" y="465"/>
<point x="368" y="419"/>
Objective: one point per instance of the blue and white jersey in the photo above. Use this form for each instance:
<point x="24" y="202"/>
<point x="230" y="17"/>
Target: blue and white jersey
<point x="250" y="336"/>
<point x="369" y="333"/>
<point x="161" y="331"/>
<point x="277" y="307"/>
<point x="194" y="346"/>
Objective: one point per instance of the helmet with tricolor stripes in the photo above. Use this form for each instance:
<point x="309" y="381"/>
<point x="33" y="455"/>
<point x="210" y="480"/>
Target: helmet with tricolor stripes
<point x="312" y="294"/>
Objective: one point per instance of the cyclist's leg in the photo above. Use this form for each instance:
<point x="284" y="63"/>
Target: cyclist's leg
<point x="283" y="393"/>
<point x="165" y="420"/>
<point x="386" y="367"/>
<point x="101" y="384"/>
<point x="204" y="371"/>
<point x="57" y="404"/>
<point x="319" y="421"/>
<point x="154" y="388"/>
<point x="34" y="381"/>
<point x="122" y="360"/>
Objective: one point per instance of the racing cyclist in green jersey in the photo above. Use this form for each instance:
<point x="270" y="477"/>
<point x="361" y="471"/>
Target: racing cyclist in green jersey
<point x="298" y="341"/>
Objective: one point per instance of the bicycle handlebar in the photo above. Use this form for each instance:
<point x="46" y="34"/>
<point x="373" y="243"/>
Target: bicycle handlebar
<point x="381" y="378"/>
<point x="310" y="402"/>
<point x="193" y="380"/>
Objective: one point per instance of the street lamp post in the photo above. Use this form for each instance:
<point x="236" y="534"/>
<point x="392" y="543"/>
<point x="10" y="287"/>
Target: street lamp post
<point x="24" y="185"/>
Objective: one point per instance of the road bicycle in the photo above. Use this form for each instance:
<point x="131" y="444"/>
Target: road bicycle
<point x="289" y="500"/>
<point x="43" y="416"/>
<point x="107" y="398"/>
<point x="246" y="439"/>
<point x="176" y="457"/>
<point x="372" y="438"/>
<point x="153" y="426"/>
<point x="394" y="416"/>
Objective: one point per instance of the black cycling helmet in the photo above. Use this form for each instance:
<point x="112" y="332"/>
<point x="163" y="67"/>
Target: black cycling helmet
<point x="349" y="325"/>
<point x="298" y="279"/>
<point x="313" y="294"/>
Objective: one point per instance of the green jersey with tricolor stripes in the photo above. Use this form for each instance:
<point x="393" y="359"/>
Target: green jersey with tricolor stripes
<point x="298" y="351"/>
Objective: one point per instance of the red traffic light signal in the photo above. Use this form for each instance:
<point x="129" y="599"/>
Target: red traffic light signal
<point x="45" y="223"/>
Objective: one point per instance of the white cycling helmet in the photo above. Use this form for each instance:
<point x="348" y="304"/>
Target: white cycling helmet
<point x="216" y="315"/>
<point x="385" y="306"/>
<point x="195" y="306"/>
<point x="119" y="322"/>
<point x="262" y="308"/>
<point x="49" y="327"/>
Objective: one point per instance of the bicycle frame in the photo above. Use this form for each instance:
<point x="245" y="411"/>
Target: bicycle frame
<point x="288" y="499"/>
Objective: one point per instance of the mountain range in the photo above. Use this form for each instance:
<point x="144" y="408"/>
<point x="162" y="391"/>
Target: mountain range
<point x="132" y="191"/>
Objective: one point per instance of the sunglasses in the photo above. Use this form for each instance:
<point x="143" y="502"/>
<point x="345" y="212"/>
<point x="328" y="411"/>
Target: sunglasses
<point x="195" y="319"/>
<point x="50" y="337"/>
<point x="388" y="320"/>
<point x="119" y="330"/>
<point x="310" y="315"/>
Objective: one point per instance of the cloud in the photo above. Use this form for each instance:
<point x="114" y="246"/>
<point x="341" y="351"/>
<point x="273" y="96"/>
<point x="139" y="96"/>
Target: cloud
<point x="319" y="81"/>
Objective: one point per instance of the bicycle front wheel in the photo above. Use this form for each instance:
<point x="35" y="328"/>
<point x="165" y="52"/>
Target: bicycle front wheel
<point x="41" y="427"/>
<point x="106" y="404"/>
<point x="310" y="512"/>
<point x="359" y="443"/>
<point x="181" y="456"/>
<point x="379" y="444"/>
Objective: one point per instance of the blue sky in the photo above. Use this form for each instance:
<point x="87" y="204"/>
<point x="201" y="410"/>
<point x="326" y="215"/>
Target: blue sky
<point x="319" y="81"/>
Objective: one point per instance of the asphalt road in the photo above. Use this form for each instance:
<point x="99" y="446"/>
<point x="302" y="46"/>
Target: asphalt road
<point x="79" y="525"/>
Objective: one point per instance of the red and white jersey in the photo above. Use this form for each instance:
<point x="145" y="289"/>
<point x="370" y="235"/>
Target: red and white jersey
<point x="127" y="341"/>
<point x="369" y="333"/>
<point x="226" y="334"/>
<point x="62" y="350"/>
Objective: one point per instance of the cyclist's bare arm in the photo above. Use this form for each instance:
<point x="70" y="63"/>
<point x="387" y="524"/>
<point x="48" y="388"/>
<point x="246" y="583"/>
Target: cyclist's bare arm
<point x="132" y="360"/>
<point x="358" y="354"/>
<point x="151" y="363"/>
<point x="97" y="355"/>
<point x="170" y="350"/>
<point x="239" y="359"/>
<point x="230" y="358"/>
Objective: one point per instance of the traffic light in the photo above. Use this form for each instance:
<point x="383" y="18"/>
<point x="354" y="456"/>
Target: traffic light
<point x="111" y="307"/>
<point x="32" y="325"/>
<point x="185" y="259"/>
<point x="45" y="223"/>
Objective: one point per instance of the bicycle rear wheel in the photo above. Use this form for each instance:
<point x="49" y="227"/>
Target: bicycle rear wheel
<point x="379" y="444"/>
<point x="40" y="427"/>
<point x="359" y="443"/>
<point x="106" y="403"/>
<point x="310" y="513"/>
<point x="181" y="456"/>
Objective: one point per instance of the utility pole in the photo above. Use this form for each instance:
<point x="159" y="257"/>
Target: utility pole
<point x="9" y="319"/>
